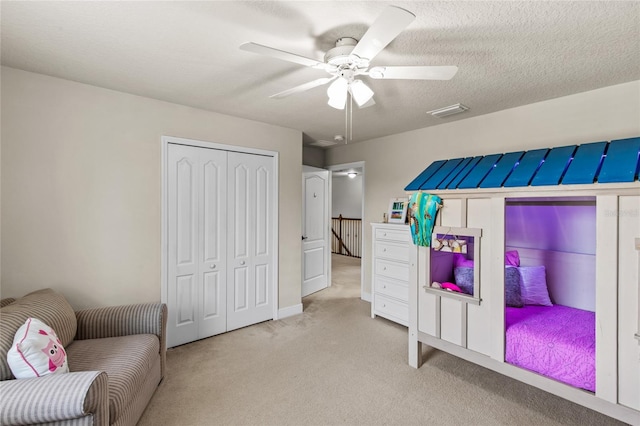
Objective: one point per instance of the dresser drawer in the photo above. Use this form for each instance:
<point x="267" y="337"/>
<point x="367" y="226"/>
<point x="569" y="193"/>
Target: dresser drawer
<point x="391" y="288"/>
<point x="385" y="306"/>
<point x="393" y="251"/>
<point x="401" y="234"/>
<point x="391" y="269"/>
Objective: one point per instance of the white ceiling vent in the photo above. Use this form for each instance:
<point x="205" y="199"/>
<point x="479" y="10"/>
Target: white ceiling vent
<point x="450" y="110"/>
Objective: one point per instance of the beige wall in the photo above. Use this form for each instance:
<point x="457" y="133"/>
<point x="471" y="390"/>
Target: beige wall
<point x="312" y="156"/>
<point x="392" y="162"/>
<point x="81" y="188"/>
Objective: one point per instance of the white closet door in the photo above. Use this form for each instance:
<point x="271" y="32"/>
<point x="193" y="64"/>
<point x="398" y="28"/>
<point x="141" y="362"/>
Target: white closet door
<point x="213" y="243"/>
<point x="196" y="292"/>
<point x="250" y="206"/>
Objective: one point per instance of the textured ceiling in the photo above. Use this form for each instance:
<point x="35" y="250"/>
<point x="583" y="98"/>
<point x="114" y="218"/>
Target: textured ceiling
<point x="508" y="54"/>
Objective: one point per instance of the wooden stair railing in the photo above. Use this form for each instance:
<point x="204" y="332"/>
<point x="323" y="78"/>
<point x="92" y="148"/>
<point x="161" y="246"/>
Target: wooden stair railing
<point x="347" y="236"/>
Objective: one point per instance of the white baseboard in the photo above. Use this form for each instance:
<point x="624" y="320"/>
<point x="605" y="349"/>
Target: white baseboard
<point x="290" y="311"/>
<point x="366" y="297"/>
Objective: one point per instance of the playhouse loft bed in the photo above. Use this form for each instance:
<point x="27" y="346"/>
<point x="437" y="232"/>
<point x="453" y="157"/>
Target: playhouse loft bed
<point x="548" y="289"/>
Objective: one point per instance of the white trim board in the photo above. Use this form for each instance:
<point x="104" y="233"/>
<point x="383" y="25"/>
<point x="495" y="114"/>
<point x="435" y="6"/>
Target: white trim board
<point x="290" y="311"/>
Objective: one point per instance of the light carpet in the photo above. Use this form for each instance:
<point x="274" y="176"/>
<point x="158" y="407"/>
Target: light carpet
<point x="335" y="365"/>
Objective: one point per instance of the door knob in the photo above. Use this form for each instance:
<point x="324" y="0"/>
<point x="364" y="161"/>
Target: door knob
<point x="242" y="262"/>
<point x="212" y="266"/>
<point x="304" y="238"/>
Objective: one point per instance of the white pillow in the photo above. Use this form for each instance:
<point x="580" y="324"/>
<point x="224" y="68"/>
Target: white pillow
<point x="533" y="286"/>
<point x="36" y="351"/>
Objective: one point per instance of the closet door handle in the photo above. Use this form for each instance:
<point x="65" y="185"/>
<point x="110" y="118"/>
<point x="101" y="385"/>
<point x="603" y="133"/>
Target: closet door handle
<point x="242" y="262"/>
<point x="212" y="266"/>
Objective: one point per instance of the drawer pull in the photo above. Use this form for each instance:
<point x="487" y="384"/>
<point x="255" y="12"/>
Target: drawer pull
<point x="384" y="249"/>
<point x="384" y="286"/>
<point x="385" y="234"/>
<point x="384" y="269"/>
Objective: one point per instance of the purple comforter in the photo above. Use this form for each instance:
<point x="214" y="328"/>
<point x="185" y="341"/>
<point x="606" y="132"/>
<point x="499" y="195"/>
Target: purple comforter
<point x="555" y="341"/>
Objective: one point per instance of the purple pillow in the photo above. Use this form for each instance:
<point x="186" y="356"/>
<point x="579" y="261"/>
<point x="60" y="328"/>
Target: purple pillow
<point x="512" y="295"/>
<point x="533" y="286"/>
<point x="460" y="260"/>
<point x="464" y="279"/>
<point x="512" y="258"/>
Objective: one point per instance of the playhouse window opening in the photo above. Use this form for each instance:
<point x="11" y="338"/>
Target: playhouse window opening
<point x="452" y="257"/>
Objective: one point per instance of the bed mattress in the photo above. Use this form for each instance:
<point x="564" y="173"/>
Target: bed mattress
<point x="555" y="341"/>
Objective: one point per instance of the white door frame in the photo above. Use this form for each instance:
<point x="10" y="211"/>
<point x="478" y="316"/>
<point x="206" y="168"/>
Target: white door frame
<point x="357" y="164"/>
<point x="165" y="141"/>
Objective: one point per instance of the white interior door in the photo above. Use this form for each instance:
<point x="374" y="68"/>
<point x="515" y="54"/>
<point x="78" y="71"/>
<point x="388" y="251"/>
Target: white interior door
<point x="196" y="288"/>
<point x="315" y="231"/>
<point x="250" y="205"/>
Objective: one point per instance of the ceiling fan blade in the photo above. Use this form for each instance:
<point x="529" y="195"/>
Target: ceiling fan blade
<point x="303" y="87"/>
<point x="282" y="55"/>
<point x="383" y="30"/>
<point x="414" y="72"/>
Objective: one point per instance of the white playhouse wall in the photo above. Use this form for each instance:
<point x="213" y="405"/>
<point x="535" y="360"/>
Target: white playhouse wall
<point x="476" y="332"/>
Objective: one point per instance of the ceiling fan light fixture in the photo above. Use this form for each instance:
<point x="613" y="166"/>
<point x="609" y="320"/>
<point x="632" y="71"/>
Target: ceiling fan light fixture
<point x="361" y="92"/>
<point x="449" y="110"/>
<point x="337" y="93"/>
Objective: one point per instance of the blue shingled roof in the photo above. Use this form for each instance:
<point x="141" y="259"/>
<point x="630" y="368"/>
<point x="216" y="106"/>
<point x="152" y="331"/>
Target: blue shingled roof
<point x="604" y="162"/>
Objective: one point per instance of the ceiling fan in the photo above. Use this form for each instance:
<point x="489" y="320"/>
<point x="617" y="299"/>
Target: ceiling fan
<point x="351" y="58"/>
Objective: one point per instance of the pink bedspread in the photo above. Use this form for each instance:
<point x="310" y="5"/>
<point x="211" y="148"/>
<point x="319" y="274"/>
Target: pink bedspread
<point x="555" y="341"/>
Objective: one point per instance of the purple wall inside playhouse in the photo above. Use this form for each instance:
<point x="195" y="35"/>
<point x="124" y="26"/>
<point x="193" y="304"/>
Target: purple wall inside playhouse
<point x="561" y="235"/>
<point x="559" y="226"/>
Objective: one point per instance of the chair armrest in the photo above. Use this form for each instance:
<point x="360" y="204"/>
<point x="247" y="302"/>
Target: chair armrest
<point x="54" y="398"/>
<point x="7" y="301"/>
<point x="116" y="321"/>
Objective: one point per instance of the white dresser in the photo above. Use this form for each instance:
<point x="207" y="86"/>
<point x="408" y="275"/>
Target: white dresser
<point x="389" y="287"/>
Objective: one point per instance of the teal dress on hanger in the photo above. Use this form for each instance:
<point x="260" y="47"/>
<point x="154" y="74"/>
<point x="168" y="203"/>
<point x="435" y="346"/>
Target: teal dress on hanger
<point x="422" y="215"/>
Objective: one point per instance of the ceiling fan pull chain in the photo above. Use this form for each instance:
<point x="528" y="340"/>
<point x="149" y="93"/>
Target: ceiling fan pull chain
<point x="350" y="117"/>
<point x="346" y="124"/>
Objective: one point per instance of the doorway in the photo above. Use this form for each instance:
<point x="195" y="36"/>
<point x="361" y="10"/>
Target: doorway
<point x="347" y="214"/>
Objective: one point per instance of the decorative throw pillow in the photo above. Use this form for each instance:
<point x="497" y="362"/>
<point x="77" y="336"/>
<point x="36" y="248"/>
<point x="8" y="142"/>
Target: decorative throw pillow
<point x="451" y="286"/>
<point x="512" y="295"/>
<point x="460" y="260"/>
<point x="533" y="286"/>
<point x="512" y="258"/>
<point x="36" y="351"/>
<point x="464" y="279"/>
